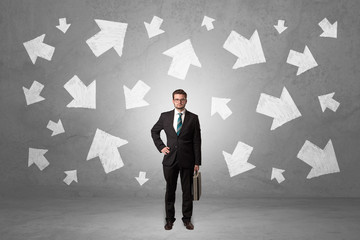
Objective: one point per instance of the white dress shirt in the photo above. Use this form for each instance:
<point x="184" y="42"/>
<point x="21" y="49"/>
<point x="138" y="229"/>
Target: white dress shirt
<point x="176" y="117"/>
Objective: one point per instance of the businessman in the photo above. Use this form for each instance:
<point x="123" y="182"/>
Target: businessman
<point x="182" y="154"/>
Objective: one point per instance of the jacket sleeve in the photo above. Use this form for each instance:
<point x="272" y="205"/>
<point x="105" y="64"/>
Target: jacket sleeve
<point x="155" y="133"/>
<point x="197" y="142"/>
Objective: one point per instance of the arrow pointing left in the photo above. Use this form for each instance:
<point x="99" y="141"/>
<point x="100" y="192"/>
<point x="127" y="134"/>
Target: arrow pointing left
<point x="183" y="56"/>
<point x="105" y="146"/>
<point x="32" y="95"/>
<point x="36" y="48"/>
<point x="218" y="105"/>
<point x="282" y="109"/>
<point x="112" y="35"/>
<point x="37" y="156"/>
<point x="142" y="178"/>
<point x="322" y="161"/>
<point x="327" y="101"/>
<point x="84" y="97"/>
<point x="135" y="97"/>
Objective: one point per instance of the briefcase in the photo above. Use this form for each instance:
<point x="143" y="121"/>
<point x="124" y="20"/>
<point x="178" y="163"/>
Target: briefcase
<point x="197" y="186"/>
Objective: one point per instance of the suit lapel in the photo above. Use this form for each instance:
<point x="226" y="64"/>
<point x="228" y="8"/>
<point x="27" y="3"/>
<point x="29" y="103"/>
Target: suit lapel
<point x="171" y="119"/>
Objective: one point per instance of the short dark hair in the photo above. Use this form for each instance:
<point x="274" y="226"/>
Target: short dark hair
<point x="179" y="91"/>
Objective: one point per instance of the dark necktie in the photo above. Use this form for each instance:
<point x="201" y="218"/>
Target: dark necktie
<point x="179" y="124"/>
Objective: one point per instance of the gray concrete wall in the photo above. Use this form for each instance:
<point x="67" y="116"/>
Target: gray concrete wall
<point x="24" y="126"/>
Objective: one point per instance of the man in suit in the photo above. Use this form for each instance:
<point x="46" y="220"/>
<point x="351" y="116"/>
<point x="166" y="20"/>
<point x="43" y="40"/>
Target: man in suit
<point x="182" y="154"/>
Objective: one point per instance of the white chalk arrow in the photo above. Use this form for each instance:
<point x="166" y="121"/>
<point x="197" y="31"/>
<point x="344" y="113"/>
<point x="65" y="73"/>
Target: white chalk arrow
<point x="330" y="30"/>
<point x="208" y="22"/>
<point x="304" y="61"/>
<point x="280" y="27"/>
<point x="153" y="29"/>
<point x="249" y="52"/>
<point x="84" y="97"/>
<point x="70" y="177"/>
<point x="37" y="48"/>
<point x="32" y="95"/>
<point x="135" y="97"/>
<point x="218" y="105"/>
<point x="112" y="35"/>
<point x="37" y="156"/>
<point x="282" y="109"/>
<point x="277" y="174"/>
<point x="105" y="146"/>
<point x="327" y="101"/>
<point x="142" y="178"/>
<point x="238" y="162"/>
<point x="183" y="56"/>
<point x="57" y="128"/>
<point x="322" y="161"/>
<point x="63" y="26"/>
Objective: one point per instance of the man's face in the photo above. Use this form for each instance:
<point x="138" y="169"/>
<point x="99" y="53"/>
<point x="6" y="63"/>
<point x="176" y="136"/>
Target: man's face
<point x="179" y="101"/>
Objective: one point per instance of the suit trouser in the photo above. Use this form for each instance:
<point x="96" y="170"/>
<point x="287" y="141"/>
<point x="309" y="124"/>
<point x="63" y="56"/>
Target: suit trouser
<point x="186" y="177"/>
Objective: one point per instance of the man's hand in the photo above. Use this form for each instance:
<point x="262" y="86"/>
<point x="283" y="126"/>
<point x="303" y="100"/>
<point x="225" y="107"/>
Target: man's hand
<point x="165" y="150"/>
<point x="196" y="168"/>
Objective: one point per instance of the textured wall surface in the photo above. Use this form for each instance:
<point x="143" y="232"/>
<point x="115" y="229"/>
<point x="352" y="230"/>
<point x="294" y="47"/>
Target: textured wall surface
<point x="25" y="126"/>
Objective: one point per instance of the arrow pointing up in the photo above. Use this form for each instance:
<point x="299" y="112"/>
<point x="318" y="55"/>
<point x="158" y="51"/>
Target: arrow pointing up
<point x="63" y="26"/>
<point x="84" y="97"/>
<point x="237" y="162"/>
<point x="153" y="29"/>
<point x="327" y="101"/>
<point x="218" y="105"/>
<point x="277" y="174"/>
<point x="282" y="109"/>
<point x="37" y="156"/>
<point x="70" y="177"/>
<point x="105" y="146"/>
<point x="322" y="161"/>
<point x="36" y="48"/>
<point x="304" y="61"/>
<point x="248" y="51"/>
<point x="142" y="178"/>
<point x="183" y="56"/>
<point x="112" y="35"/>
<point x="57" y="128"/>
<point x="134" y="97"/>
<point x="32" y="95"/>
<point x="208" y="22"/>
<point x="280" y="26"/>
<point x="330" y="30"/>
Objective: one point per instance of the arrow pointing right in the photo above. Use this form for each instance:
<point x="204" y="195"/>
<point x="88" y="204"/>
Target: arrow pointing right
<point x="282" y="109"/>
<point x="330" y="30"/>
<point x="305" y="61"/>
<point x="36" y="48"/>
<point x="322" y="161"/>
<point x="218" y="105"/>
<point x="70" y="177"/>
<point x="37" y="156"/>
<point x="57" y="128"/>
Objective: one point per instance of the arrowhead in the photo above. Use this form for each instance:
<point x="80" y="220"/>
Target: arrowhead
<point x="322" y="161"/>
<point x="37" y="156"/>
<point x="134" y="97"/>
<point x="237" y="162"/>
<point x="218" y="105"/>
<point x="208" y="22"/>
<point x="57" y="128"/>
<point x="153" y="29"/>
<point x="277" y="174"/>
<point x="70" y="177"/>
<point x="329" y="30"/>
<point x="327" y="101"/>
<point x="142" y="178"/>
<point x="36" y="48"/>
<point x="62" y="25"/>
<point x="304" y="61"/>
<point x="84" y="97"/>
<point x="32" y="95"/>
<point x="249" y="52"/>
<point x="280" y="26"/>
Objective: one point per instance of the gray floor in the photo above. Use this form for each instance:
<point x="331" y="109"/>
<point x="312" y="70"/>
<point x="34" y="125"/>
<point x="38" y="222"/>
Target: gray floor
<point x="214" y="218"/>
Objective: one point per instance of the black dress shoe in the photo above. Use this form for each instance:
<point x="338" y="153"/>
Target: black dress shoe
<point x="168" y="225"/>
<point x="189" y="225"/>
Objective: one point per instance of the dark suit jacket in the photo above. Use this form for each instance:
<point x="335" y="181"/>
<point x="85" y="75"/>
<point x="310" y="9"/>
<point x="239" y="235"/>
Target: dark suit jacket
<point x="185" y="148"/>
